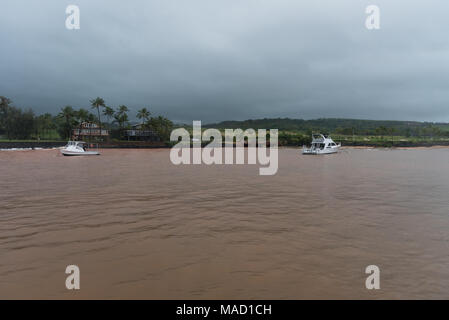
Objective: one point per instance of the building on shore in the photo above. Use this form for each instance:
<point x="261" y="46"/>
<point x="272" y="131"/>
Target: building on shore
<point x="88" y="131"/>
<point x="139" y="132"/>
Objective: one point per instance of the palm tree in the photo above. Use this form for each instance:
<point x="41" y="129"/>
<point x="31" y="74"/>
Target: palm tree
<point x="123" y="109"/>
<point x="68" y="114"/>
<point x="108" y="112"/>
<point x="144" y="115"/>
<point x="44" y="123"/>
<point x="121" y="116"/>
<point x="162" y="126"/>
<point x="83" y="116"/>
<point x="90" y="118"/>
<point x="5" y="109"/>
<point x="97" y="103"/>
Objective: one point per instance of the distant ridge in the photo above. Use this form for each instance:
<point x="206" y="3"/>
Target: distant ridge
<point x="338" y="125"/>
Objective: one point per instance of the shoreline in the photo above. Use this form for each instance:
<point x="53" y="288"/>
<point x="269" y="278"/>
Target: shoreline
<point x="398" y="147"/>
<point x="24" y="146"/>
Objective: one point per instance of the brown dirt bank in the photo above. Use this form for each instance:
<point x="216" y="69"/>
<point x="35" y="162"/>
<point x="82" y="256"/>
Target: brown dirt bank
<point x="32" y="145"/>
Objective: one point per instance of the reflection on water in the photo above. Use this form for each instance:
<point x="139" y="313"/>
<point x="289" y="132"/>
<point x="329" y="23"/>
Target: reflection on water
<point x="140" y="227"/>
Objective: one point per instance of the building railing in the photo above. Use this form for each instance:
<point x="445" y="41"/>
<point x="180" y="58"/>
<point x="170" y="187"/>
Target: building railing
<point x="90" y="132"/>
<point x="140" y="133"/>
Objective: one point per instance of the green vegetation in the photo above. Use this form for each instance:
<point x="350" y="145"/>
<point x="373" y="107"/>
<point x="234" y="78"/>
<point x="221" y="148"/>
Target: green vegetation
<point x="17" y="124"/>
<point x="294" y="132"/>
<point x="343" y="126"/>
<point x="5" y="140"/>
<point x="25" y="126"/>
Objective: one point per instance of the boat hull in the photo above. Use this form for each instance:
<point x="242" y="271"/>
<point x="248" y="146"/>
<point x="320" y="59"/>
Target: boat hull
<point x="319" y="151"/>
<point x="85" y="153"/>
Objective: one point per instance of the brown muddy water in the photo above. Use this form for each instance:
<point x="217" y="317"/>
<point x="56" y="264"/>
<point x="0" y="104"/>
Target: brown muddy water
<point x="139" y="227"/>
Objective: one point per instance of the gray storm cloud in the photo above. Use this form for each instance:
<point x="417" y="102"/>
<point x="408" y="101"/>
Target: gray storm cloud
<point x="216" y="60"/>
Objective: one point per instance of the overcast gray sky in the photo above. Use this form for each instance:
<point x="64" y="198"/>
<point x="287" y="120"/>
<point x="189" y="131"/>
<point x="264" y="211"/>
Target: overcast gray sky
<point x="215" y="60"/>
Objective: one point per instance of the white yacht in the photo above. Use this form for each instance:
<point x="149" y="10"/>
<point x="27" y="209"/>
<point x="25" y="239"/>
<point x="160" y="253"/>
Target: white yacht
<point x="321" y="144"/>
<point x="78" y="148"/>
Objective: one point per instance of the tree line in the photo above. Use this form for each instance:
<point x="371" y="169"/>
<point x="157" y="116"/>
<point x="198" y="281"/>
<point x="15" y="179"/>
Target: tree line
<point x="342" y="127"/>
<point x="16" y="123"/>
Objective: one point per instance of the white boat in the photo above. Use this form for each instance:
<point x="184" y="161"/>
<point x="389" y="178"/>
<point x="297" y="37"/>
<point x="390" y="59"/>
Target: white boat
<point x="321" y="144"/>
<point x="78" y="148"/>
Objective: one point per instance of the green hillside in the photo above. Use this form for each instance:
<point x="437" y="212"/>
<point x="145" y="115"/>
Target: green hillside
<point x="343" y="126"/>
<point x="377" y="133"/>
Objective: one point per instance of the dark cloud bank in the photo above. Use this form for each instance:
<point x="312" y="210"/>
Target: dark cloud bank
<point x="215" y="60"/>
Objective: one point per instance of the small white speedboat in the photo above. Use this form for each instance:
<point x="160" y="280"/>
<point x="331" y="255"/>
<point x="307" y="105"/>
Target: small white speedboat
<point x="321" y="144"/>
<point x="78" y="148"/>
